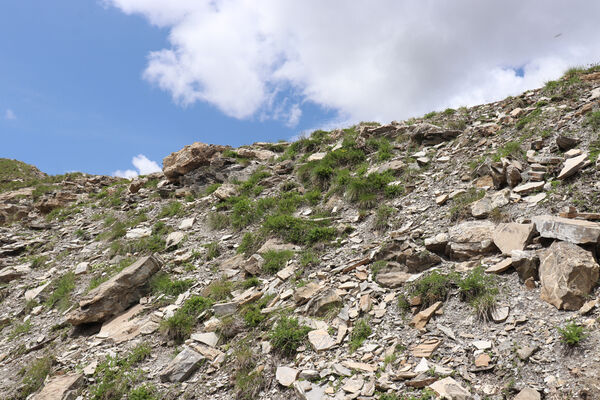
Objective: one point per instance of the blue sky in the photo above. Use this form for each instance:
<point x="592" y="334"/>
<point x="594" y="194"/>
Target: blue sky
<point x="71" y="76"/>
<point x="87" y="85"/>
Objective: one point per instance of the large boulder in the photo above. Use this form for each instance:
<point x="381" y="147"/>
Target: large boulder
<point x="430" y="134"/>
<point x="182" y="366"/>
<point x="471" y="239"/>
<point x="567" y="274"/>
<point x="483" y="207"/>
<point x="570" y="230"/>
<point x="189" y="158"/>
<point x="53" y="201"/>
<point x="117" y="294"/>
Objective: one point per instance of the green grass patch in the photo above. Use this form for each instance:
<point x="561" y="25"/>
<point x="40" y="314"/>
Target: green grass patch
<point x="287" y="335"/>
<point x="33" y="375"/>
<point x="572" y="334"/>
<point x="276" y="260"/>
<point x="161" y="283"/>
<point x="179" y="326"/>
<point x="61" y="294"/>
<point x="359" y="334"/>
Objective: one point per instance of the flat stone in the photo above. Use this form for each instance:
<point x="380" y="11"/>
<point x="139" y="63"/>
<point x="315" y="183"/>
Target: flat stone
<point x="186" y="223"/>
<point x="471" y="239"/>
<point x="277" y="245"/>
<point x="500" y="314"/>
<point x="225" y="308"/>
<point x="174" y="238"/>
<point x="525" y="352"/>
<point x="448" y="388"/>
<point x="572" y="165"/>
<point x="392" y="277"/>
<point x="570" y="230"/>
<point x="340" y="370"/>
<point x="286" y="376"/>
<point x="8" y="274"/>
<point x="420" y="319"/>
<point x="316" y="157"/>
<point x="320" y="340"/>
<point x="123" y="327"/>
<point x="57" y="387"/>
<point x="528" y="394"/>
<point x="513" y="236"/>
<point x="137" y="233"/>
<point x="82" y="268"/>
<point x="208" y="338"/>
<point x="323" y="302"/>
<point x="426" y="348"/>
<point x="500" y="267"/>
<point x="482" y="344"/>
<point x="182" y="366"/>
<point x="353" y="385"/>
<point x="483" y="360"/>
<point x="528" y="187"/>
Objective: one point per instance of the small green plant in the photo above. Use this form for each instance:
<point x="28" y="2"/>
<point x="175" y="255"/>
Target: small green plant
<point x="180" y="325"/>
<point x="382" y="217"/>
<point x="162" y="283"/>
<point x="252" y="312"/>
<point x="287" y="335"/>
<point x="308" y="258"/>
<point x="60" y="297"/>
<point x="276" y="260"/>
<point x="143" y="392"/>
<point x="172" y="209"/>
<point x="20" y="329"/>
<point x="297" y="230"/>
<point x="479" y="290"/>
<point x="115" y="377"/>
<point x="34" y="375"/>
<point x="248" y="379"/>
<point x="251" y="242"/>
<point x="430" y="115"/>
<point x="460" y="207"/>
<point x="218" y="220"/>
<point x="432" y="287"/>
<point x="512" y="149"/>
<point x="212" y="251"/>
<point x="572" y="334"/>
<point x="38" y="261"/>
<point x="593" y="120"/>
<point x="219" y="290"/>
<point x="359" y="334"/>
<point x="377" y="266"/>
<point x="251" y="282"/>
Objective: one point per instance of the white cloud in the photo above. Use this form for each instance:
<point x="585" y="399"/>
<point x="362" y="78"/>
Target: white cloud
<point x="366" y="60"/>
<point x="9" y="114"/>
<point x="143" y="165"/>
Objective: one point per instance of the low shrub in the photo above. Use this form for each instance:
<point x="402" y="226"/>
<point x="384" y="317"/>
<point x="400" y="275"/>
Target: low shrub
<point x="287" y="335"/>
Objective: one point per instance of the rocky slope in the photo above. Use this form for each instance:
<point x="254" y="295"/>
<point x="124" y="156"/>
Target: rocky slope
<point x="451" y="255"/>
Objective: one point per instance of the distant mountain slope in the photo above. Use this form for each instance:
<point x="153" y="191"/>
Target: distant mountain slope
<point x="15" y="174"/>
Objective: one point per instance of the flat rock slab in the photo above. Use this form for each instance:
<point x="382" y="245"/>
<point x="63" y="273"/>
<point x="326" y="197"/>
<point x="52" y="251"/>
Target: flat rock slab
<point x="482" y="207"/>
<point x="570" y="230"/>
<point x="420" y="319"/>
<point x="513" y="236"/>
<point x="10" y="273"/>
<point x="471" y="239"/>
<point x="286" y="376"/>
<point x="117" y="294"/>
<point x="58" y="386"/>
<point x="528" y="187"/>
<point x="123" y="327"/>
<point x="320" y="340"/>
<point x="182" y="366"/>
<point x="426" y="348"/>
<point x="448" y="388"/>
<point x="528" y="394"/>
<point x="572" y="165"/>
<point x="500" y="267"/>
<point x="208" y="338"/>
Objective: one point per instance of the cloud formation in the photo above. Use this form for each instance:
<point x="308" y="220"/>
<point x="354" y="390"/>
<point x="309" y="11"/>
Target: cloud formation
<point x="9" y="114"/>
<point x="143" y="165"/>
<point x="366" y="60"/>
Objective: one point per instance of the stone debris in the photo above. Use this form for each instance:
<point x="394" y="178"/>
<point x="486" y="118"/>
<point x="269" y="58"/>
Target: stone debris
<point x="245" y="237"/>
<point x="116" y="294"/>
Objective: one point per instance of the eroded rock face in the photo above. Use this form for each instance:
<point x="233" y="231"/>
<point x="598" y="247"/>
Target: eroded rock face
<point x="567" y="274"/>
<point x="569" y="230"/>
<point x="54" y="201"/>
<point x="471" y="239"/>
<point x="189" y="158"/>
<point x="117" y="294"/>
<point x="430" y="134"/>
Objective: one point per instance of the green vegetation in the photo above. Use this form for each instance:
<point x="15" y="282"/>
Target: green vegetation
<point x="382" y="217"/>
<point x="308" y="258"/>
<point x="359" y="334"/>
<point x="593" y="120"/>
<point x="430" y="115"/>
<point x="162" y="283"/>
<point x="382" y="146"/>
<point x="212" y="250"/>
<point x="249" y="380"/>
<point x="376" y="267"/>
<point x="105" y="272"/>
<point x="172" y="209"/>
<point x="219" y="290"/>
<point x="460" y="207"/>
<point x="479" y="290"/>
<point x="251" y="282"/>
<point x="20" y="329"/>
<point x="211" y="188"/>
<point x="116" y="377"/>
<point x="62" y="214"/>
<point x="297" y="230"/>
<point x="34" y="375"/>
<point x="527" y="119"/>
<point x="287" y="335"/>
<point x="251" y="186"/>
<point x="276" y="260"/>
<point x="252" y="312"/>
<point x="38" y="261"/>
<point x="218" y="220"/>
<point x="432" y="287"/>
<point x="251" y="242"/>
<point x="180" y="325"/>
<point x="62" y="288"/>
<point x="572" y="334"/>
<point x="510" y="149"/>
<point x="594" y="150"/>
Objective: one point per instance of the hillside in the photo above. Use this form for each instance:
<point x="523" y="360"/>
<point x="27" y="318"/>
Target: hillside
<point x="453" y="255"/>
<point x="15" y="173"/>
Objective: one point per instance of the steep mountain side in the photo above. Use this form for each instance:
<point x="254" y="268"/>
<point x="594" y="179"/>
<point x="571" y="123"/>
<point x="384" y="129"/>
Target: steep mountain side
<point x="450" y="255"/>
